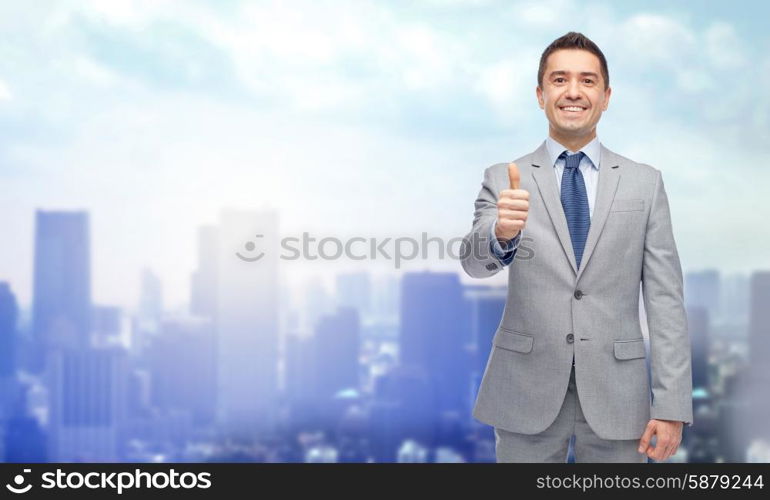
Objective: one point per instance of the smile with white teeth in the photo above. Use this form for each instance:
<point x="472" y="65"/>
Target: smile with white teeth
<point x="572" y="108"/>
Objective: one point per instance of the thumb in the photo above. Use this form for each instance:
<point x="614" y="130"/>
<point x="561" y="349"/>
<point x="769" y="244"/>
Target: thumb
<point x="513" y="175"/>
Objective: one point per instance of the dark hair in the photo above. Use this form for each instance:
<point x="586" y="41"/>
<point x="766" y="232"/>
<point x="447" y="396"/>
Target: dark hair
<point x="573" y="40"/>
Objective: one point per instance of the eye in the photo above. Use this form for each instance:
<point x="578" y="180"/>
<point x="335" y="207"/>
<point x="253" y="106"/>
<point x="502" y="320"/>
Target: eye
<point x="558" y="79"/>
<point x="589" y="81"/>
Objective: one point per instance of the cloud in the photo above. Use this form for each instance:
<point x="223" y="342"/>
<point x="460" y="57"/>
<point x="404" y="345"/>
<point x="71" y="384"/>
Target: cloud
<point x="725" y="49"/>
<point x="546" y="14"/>
<point x="5" y="92"/>
<point x="657" y="39"/>
<point x="509" y="85"/>
<point x="92" y="72"/>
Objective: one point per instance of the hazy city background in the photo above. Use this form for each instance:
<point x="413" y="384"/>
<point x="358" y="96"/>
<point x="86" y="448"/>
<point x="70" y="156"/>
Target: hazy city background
<point x="145" y="145"/>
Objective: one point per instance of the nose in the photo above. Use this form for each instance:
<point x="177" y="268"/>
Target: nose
<point x="573" y="90"/>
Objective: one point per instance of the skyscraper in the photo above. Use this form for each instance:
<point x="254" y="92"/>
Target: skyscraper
<point x="702" y="289"/>
<point x="337" y="341"/>
<point x="88" y="395"/>
<point x="435" y="339"/>
<point x="698" y="326"/>
<point x="146" y="323"/>
<point x="62" y="283"/>
<point x="759" y="324"/>
<point x="9" y="389"/>
<point x="385" y="297"/>
<point x="300" y="370"/>
<point x="735" y="302"/>
<point x="106" y="324"/>
<point x="354" y="290"/>
<point x="317" y="302"/>
<point x="204" y="280"/>
<point x="182" y="359"/>
<point x="759" y="350"/>
<point x="9" y="313"/>
<point x="150" y="297"/>
<point x="24" y="440"/>
<point x="247" y="323"/>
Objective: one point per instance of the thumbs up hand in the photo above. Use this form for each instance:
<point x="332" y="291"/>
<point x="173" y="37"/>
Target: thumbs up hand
<point x="512" y="207"/>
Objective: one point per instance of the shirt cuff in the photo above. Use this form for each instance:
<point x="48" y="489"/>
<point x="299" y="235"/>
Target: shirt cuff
<point x="503" y="252"/>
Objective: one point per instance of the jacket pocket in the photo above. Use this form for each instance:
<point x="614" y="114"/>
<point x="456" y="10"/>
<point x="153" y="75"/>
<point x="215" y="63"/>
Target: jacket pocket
<point x="629" y="349"/>
<point x="627" y="205"/>
<point x="513" y="341"/>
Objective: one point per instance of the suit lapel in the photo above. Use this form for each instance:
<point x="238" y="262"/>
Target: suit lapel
<point x="544" y="176"/>
<point x="549" y="191"/>
<point x="609" y="175"/>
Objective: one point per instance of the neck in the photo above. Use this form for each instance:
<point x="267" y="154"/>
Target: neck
<point x="572" y="142"/>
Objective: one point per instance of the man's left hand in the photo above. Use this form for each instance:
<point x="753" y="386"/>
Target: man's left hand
<point x="669" y="433"/>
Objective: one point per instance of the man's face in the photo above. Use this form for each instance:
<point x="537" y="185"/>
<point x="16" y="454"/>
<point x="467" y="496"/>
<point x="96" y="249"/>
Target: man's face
<point x="573" y="94"/>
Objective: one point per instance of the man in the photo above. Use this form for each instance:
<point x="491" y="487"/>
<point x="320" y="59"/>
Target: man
<point x="568" y="357"/>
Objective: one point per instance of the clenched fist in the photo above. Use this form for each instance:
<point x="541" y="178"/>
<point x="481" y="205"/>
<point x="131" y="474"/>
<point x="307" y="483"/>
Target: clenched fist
<point x="512" y="207"/>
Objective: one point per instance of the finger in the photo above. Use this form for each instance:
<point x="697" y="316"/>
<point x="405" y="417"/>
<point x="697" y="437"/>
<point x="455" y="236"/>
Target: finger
<point x="515" y="194"/>
<point x="513" y="175"/>
<point x="671" y="449"/>
<point x="660" y="452"/>
<point x="662" y="449"/>
<point x="644" y="442"/>
<point x="512" y="214"/>
<point x="654" y="452"/>
<point x="670" y="444"/>
<point x="510" y="224"/>
<point x="513" y="204"/>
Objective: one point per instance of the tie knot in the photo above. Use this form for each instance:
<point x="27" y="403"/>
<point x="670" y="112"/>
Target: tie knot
<point x="573" y="161"/>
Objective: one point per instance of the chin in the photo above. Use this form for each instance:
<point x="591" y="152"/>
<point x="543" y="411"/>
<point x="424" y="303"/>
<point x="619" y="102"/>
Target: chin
<point x="568" y="127"/>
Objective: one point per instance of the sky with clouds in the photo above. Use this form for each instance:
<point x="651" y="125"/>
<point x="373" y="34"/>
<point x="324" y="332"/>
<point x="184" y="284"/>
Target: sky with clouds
<point x="356" y="118"/>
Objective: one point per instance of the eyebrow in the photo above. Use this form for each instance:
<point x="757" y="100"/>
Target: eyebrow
<point x="582" y="73"/>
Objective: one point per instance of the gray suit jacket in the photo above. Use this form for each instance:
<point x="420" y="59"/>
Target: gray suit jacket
<point x="554" y="310"/>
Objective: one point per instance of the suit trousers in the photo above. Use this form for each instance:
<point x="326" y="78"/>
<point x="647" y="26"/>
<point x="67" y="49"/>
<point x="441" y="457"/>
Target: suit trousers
<point x="552" y="444"/>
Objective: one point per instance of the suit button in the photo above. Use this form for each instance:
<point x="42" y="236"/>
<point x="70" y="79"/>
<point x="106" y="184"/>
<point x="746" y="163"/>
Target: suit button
<point x="570" y="338"/>
<point x="578" y="294"/>
<point x="491" y="266"/>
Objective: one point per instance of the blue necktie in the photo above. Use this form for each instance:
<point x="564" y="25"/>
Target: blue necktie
<point x="574" y="200"/>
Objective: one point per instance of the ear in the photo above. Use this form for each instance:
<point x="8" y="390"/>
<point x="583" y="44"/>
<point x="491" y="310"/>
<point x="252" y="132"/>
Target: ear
<point x="607" y="94"/>
<point x="539" y="93"/>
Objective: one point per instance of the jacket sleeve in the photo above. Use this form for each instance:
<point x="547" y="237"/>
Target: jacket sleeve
<point x="477" y="257"/>
<point x="662" y="289"/>
<point x="504" y="251"/>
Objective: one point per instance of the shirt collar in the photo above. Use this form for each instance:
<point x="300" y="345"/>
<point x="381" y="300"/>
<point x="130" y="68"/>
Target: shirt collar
<point x="592" y="150"/>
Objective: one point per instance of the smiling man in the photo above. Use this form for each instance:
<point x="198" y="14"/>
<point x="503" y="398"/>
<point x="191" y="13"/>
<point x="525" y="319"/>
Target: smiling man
<point x="568" y="358"/>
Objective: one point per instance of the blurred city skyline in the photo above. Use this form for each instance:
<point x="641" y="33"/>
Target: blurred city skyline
<point x="374" y="370"/>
